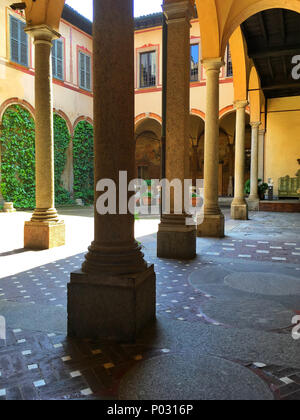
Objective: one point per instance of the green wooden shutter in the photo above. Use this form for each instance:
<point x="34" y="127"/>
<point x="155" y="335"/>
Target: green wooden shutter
<point x="23" y="45"/>
<point x="14" y="40"/>
<point x="58" y="59"/>
<point x="18" y="42"/>
<point x="88" y="72"/>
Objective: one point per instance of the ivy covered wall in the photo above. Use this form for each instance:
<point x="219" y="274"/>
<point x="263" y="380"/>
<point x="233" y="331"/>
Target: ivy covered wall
<point x="62" y="140"/>
<point x="17" y="141"/>
<point x="83" y="161"/>
<point x="17" y="138"/>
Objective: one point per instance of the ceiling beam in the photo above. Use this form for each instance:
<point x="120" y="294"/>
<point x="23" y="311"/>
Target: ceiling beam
<point x="270" y="68"/>
<point x="282" y="24"/>
<point x="282" y="86"/>
<point x="274" y="52"/>
<point x="262" y="25"/>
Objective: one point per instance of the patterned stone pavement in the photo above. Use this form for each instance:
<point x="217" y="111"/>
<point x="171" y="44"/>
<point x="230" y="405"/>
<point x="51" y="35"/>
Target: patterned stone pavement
<point x="37" y="361"/>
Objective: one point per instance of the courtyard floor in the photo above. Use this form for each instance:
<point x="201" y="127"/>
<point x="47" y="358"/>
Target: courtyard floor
<point x="224" y="320"/>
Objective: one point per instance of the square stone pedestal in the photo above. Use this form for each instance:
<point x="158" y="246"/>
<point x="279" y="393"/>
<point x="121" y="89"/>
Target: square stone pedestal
<point x="111" y="307"/>
<point x="213" y="226"/>
<point x="239" y="211"/>
<point x="253" y="205"/>
<point x="176" y="244"/>
<point x="44" y="235"/>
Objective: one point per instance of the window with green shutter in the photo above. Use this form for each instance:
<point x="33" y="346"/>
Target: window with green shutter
<point x="18" y="42"/>
<point x="85" y="78"/>
<point x="58" y="59"/>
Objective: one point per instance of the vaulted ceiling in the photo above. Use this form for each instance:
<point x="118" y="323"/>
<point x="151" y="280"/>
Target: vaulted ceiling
<point x="273" y="39"/>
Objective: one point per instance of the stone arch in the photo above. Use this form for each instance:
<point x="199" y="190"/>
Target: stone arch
<point x="16" y="101"/>
<point x="240" y="65"/>
<point x="242" y="10"/>
<point x="64" y="116"/>
<point x="254" y="95"/>
<point x="82" y="118"/>
<point x="219" y="19"/>
<point x="148" y="148"/>
<point x="200" y="114"/>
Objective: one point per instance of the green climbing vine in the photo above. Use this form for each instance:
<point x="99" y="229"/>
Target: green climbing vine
<point x="17" y="142"/>
<point x="17" y="138"/>
<point x="83" y="155"/>
<point x="61" y="143"/>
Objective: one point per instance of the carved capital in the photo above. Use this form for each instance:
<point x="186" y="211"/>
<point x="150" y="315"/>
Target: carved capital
<point x="179" y="10"/>
<point x="42" y="34"/>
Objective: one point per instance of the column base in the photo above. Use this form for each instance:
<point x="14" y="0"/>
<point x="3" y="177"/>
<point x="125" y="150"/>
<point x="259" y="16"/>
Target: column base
<point x="44" y="235"/>
<point x="111" y="307"/>
<point x="176" y="243"/>
<point x="8" y="207"/>
<point x="253" y="204"/>
<point x="213" y="226"/>
<point x="239" y="211"/>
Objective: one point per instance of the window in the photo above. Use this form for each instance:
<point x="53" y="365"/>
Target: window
<point x="229" y="71"/>
<point x="85" y="71"/>
<point x="58" y="59"/>
<point x="18" y="42"/>
<point x="148" y="69"/>
<point x="194" y="63"/>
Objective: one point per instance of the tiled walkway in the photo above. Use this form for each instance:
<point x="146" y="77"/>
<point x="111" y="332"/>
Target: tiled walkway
<point x="224" y="326"/>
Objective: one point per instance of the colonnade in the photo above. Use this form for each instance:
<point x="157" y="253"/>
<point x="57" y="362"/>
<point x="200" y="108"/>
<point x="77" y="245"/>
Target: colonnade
<point x="113" y="295"/>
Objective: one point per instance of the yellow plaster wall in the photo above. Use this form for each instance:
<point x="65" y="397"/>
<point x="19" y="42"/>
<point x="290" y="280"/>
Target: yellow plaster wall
<point x="282" y="144"/>
<point x="18" y="82"/>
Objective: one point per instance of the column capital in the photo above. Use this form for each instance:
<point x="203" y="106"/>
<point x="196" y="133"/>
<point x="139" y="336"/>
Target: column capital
<point x="42" y="33"/>
<point x="213" y="64"/>
<point x="179" y="10"/>
<point x="241" y="104"/>
<point x="255" y="124"/>
<point x="262" y="131"/>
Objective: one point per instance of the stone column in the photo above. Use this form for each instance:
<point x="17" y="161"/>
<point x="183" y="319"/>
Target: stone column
<point x="113" y="296"/>
<point x="239" y="207"/>
<point x="261" y="154"/>
<point x="253" y="201"/>
<point x="44" y="230"/>
<point x="213" y="223"/>
<point x="177" y="239"/>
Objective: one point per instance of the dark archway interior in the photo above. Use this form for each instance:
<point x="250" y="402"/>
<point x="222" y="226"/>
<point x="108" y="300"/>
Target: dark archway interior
<point x="273" y="39"/>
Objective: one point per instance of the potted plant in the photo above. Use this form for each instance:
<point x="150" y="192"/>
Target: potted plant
<point x="262" y="189"/>
<point x="195" y="199"/>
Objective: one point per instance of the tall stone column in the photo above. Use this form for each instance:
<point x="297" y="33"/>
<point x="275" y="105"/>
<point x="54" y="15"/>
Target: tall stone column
<point x="213" y="224"/>
<point x="176" y="238"/>
<point x="44" y="230"/>
<point x="261" y="154"/>
<point x="239" y="207"/>
<point x="113" y="296"/>
<point x="253" y="201"/>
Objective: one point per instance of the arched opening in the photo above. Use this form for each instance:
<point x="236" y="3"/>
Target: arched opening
<point x="83" y="162"/>
<point x="17" y="139"/>
<point x="227" y="153"/>
<point x="62" y="161"/>
<point x="197" y="126"/>
<point x="148" y="149"/>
